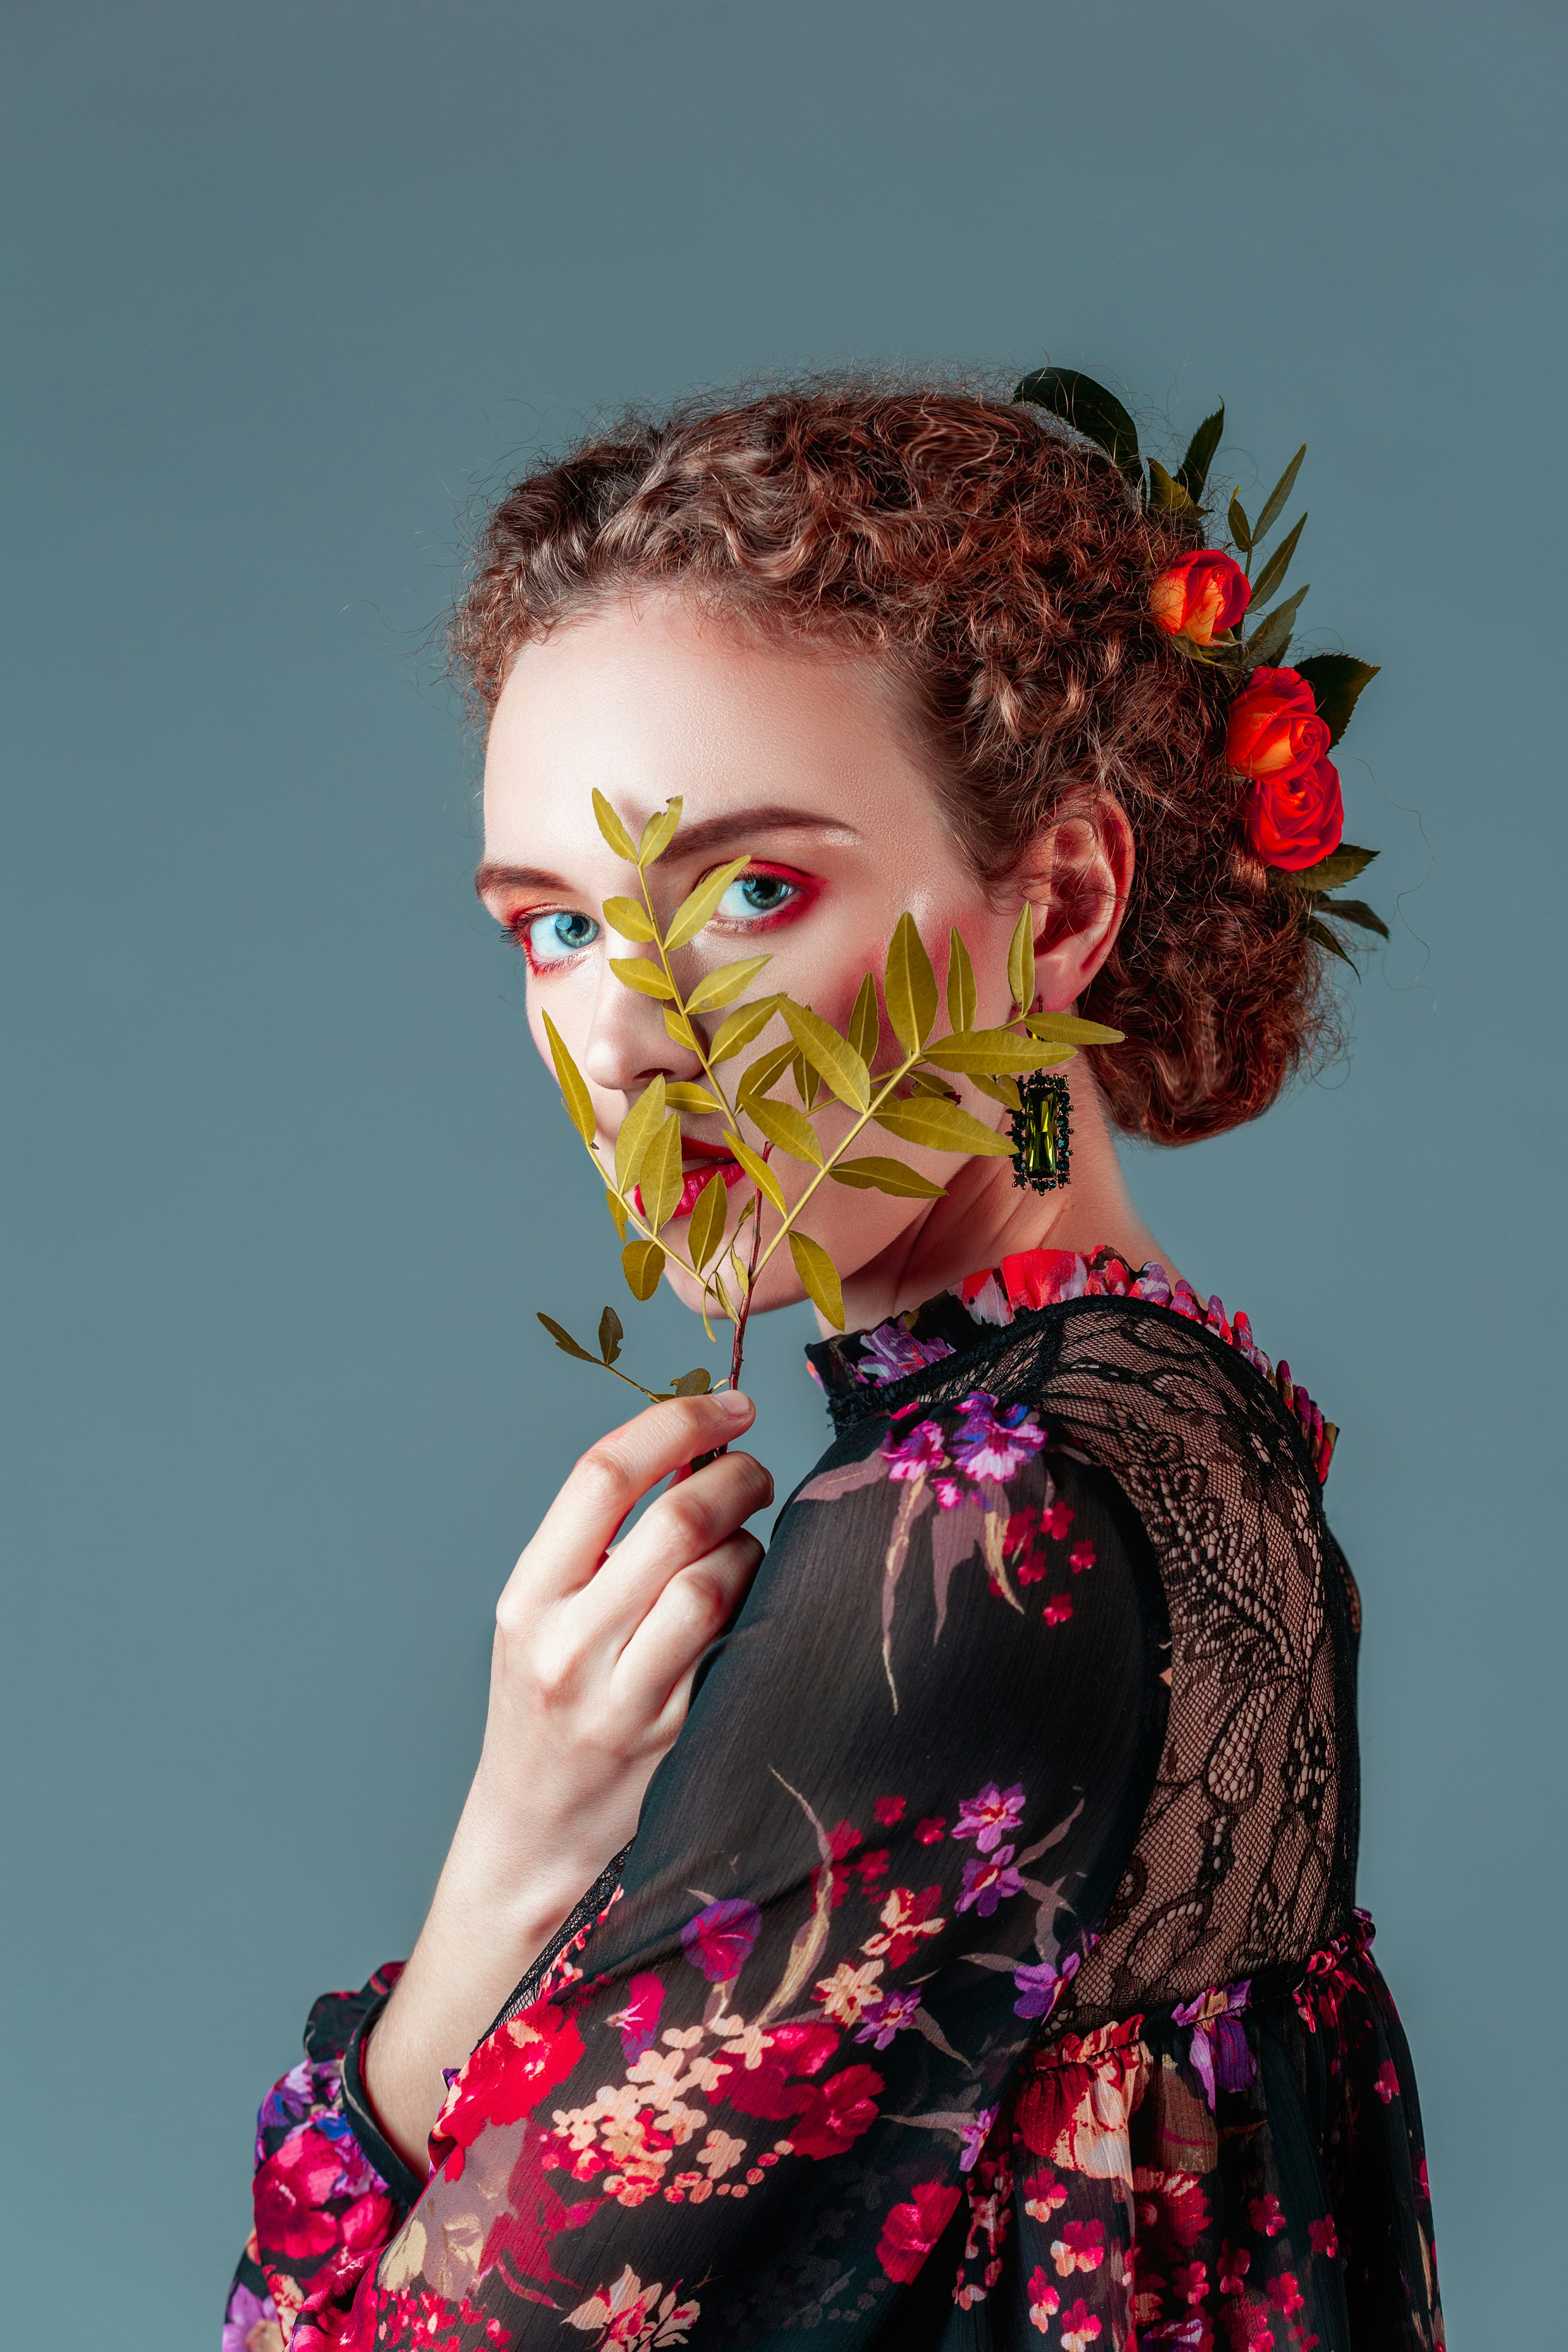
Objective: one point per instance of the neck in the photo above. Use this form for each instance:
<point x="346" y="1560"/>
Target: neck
<point x="985" y="1217"/>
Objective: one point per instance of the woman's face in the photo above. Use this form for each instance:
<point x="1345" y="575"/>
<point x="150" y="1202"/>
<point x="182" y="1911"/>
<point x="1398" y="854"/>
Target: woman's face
<point x="791" y="757"/>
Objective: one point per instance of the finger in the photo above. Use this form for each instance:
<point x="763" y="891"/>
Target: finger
<point x="612" y="1478"/>
<point x="682" y="1527"/>
<point x="696" y="1605"/>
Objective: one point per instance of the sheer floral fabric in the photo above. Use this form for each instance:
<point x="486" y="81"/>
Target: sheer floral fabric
<point x="985" y="1971"/>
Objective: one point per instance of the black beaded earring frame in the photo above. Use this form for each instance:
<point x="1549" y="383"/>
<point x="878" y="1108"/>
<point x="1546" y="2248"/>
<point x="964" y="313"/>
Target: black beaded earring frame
<point x="1042" y="1134"/>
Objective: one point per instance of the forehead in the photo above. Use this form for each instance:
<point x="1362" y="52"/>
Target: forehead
<point x="639" y="701"/>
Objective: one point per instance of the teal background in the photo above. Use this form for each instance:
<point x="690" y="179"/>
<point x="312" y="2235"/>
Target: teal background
<point x="286" y="287"/>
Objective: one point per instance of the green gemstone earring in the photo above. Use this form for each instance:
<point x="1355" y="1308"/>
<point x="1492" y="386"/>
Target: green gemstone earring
<point x="1042" y="1136"/>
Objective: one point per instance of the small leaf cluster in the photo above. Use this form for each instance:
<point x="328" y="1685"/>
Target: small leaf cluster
<point x="1180" y="499"/>
<point x="891" y="1069"/>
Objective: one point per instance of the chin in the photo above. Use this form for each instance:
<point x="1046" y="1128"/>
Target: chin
<point x="778" y="1287"/>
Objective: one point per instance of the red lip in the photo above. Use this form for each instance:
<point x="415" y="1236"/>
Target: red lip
<point x="729" y="1172"/>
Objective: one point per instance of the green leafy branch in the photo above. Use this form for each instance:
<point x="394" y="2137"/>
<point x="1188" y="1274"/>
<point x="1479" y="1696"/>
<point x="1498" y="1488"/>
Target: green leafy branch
<point x="897" y="1077"/>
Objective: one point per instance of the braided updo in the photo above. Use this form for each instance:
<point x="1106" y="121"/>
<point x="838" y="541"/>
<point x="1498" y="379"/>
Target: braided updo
<point x="1000" y="568"/>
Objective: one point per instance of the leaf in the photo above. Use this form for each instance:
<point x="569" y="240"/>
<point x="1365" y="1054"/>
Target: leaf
<point x="764" y="1072"/>
<point x="1166" y="495"/>
<point x="1087" y="407"/>
<point x="807" y="1085"/>
<point x="694" y="911"/>
<point x="1279" y="563"/>
<point x="1068" y="1029"/>
<point x="757" y="1169"/>
<point x="1270" y="641"/>
<point x="1021" y="960"/>
<point x="926" y="1081"/>
<point x="1193" y="470"/>
<point x="677" y="1026"/>
<point x="1275" y="501"/>
<point x="909" y="987"/>
<point x="894" y="1176"/>
<point x="1356" y="911"/>
<point x="962" y="997"/>
<point x="707" y="1228"/>
<point x="865" y="1022"/>
<point x="692" y="1383"/>
<point x="630" y="920"/>
<point x="940" y="1127"/>
<point x="721" y="987"/>
<point x="573" y="1093"/>
<point x="641" y="1123"/>
<point x="830" y="1055"/>
<point x="642" y="1263"/>
<point x="661" y="1177"/>
<point x="789" y="1128"/>
<point x="697" y="1100"/>
<point x="1336" y="680"/>
<point x="1001" y="1091"/>
<point x="617" y="1209"/>
<point x="564" y="1341"/>
<point x="1240" y="529"/>
<point x="612" y="1331"/>
<point x="614" y="831"/>
<point x="993" y="1053"/>
<point x="820" y="1278"/>
<point x="641" y="974"/>
<point x="1331" y="873"/>
<point x="738" y="1029"/>
<point x="1325" y="938"/>
<point x="658" y="833"/>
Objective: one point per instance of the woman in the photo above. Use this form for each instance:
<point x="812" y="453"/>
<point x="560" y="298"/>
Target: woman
<point x="940" y="1930"/>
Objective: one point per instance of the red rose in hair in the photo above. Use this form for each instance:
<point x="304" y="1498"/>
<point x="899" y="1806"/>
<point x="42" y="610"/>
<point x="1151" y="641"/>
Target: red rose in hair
<point x="1275" y="730"/>
<point x="1200" y="595"/>
<point x="1294" y="821"/>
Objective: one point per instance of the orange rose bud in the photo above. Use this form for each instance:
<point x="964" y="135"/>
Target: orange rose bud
<point x="1200" y="595"/>
<point x="1294" y="821"/>
<point x="1275" y="730"/>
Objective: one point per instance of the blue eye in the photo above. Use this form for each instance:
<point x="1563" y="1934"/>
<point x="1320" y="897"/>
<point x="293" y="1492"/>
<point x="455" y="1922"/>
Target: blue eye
<point x="553" y="939"/>
<point x="753" y="895"/>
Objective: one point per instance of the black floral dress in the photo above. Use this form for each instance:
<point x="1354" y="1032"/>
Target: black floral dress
<point x="984" y="1972"/>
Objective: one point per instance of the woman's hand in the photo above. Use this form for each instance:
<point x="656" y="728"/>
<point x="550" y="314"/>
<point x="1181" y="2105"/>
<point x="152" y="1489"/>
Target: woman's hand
<point x="597" y="1644"/>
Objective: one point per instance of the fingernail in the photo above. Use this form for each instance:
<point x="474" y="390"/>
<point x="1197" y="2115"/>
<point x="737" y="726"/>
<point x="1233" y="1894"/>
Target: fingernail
<point x="730" y="1401"/>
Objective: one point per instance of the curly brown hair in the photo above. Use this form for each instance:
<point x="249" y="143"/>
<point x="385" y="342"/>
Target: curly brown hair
<point x="1000" y="567"/>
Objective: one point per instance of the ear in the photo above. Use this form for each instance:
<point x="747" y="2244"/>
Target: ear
<point x="1078" y="875"/>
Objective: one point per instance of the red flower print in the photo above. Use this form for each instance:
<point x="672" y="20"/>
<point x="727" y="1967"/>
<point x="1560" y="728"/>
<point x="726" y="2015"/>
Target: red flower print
<point x="836" y="2114"/>
<point x="638" y="2022"/>
<point x="291" y="2189"/>
<point x="1042" y="2192"/>
<point x="888" y="1810"/>
<point x="1043" y="2300"/>
<point x="1190" y="2281"/>
<point x="1325" y="2237"/>
<point x="1020" y="1532"/>
<point x="719" y="1940"/>
<point x="911" y="2231"/>
<point x="1082" y="1555"/>
<point x="908" y="1921"/>
<point x="1386" y="2082"/>
<point x="842" y="1840"/>
<point x="767" y="2089"/>
<point x="1057" y="1521"/>
<point x="505" y="2079"/>
<point x="1058" y="1609"/>
<point x="1079" y="2327"/>
<point x="1284" y="2294"/>
<point x="1080" y="2247"/>
<point x="931" y="1831"/>
<point x="1235" y="2261"/>
<point x="1266" y="2217"/>
<point x="1032" y="1570"/>
<point x="872" y="1866"/>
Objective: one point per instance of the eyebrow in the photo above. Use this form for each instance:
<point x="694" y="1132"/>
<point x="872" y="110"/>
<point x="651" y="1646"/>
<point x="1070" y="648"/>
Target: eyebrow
<point x="693" y="841"/>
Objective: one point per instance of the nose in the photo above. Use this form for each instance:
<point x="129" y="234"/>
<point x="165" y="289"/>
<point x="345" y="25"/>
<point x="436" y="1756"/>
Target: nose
<point x="628" y="1045"/>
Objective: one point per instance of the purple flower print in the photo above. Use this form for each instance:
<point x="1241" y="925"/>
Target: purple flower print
<point x="975" y="2136"/>
<point x="991" y="1816"/>
<point x="912" y="1457"/>
<point x="719" y="1940"/>
<point x="991" y="1445"/>
<point x="986" y="1880"/>
<point x="638" y="2022"/>
<point x="1040" y="1988"/>
<point x="248" y="2319"/>
<point x="1221" y="2057"/>
<point x="892" y="2014"/>
<point x="889" y="1352"/>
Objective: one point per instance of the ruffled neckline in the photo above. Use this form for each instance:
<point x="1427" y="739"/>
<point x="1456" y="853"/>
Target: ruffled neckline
<point x="956" y="1320"/>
